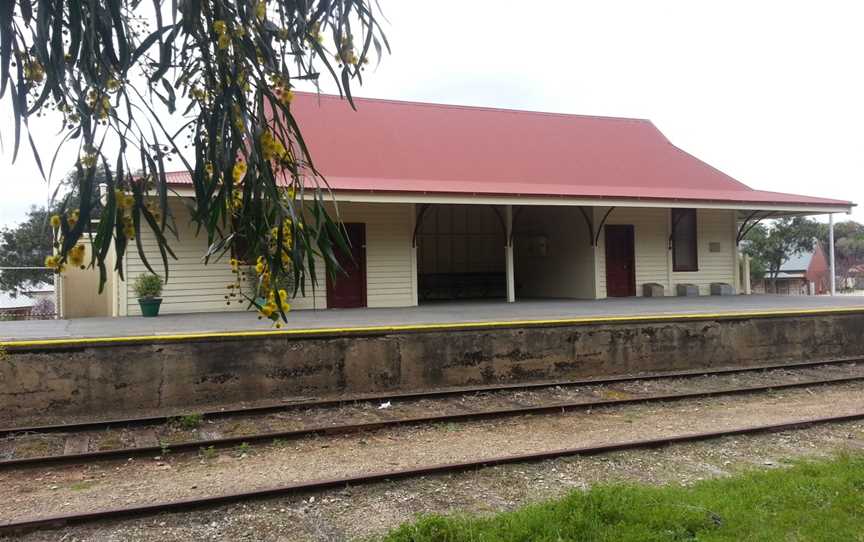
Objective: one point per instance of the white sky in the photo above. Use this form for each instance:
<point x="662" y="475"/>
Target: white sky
<point x="771" y="92"/>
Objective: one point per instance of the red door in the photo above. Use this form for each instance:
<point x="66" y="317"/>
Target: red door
<point x="620" y="261"/>
<point x="348" y="290"/>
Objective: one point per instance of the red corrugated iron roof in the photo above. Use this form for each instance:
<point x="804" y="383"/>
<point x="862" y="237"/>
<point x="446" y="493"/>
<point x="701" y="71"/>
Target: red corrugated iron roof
<point x="408" y="147"/>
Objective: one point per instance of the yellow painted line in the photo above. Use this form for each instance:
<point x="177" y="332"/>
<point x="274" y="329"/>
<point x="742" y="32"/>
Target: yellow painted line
<point x="270" y="333"/>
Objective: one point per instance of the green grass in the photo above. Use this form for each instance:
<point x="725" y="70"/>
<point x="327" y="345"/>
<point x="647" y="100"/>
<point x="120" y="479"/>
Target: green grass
<point x="244" y="448"/>
<point x="810" y="501"/>
<point x="82" y="486"/>
<point x="208" y="453"/>
<point x="188" y="421"/>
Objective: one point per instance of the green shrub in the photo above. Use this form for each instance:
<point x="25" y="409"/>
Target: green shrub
<point x="147" y="285"/>
<point x="188" y="421"/>
<point x="208" y="453"/>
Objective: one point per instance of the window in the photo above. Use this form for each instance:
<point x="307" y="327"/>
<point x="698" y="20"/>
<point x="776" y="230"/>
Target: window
<point x="685" y="256"/>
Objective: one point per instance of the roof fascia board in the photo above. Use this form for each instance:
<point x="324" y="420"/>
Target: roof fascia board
<point x="382" y="197"/>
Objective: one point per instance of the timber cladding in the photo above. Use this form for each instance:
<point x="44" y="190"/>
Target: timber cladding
<point x="105" y="379"/>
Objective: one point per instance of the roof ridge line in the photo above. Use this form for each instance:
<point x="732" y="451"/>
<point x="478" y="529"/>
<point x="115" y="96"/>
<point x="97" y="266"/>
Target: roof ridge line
<point x="703" y="162"/>
<point x="475" y="107"/>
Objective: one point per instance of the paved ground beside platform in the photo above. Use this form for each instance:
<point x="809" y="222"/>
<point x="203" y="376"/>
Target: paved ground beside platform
<point x="433" y="313"/>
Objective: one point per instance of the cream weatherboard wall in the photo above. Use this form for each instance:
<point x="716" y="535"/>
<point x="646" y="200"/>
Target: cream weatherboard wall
<point x="195" y="287"/>
<point x="78" y="289"/>
<point x="569" y="267"/>
<point x="391" y="264"/>
<point x="716" y="248"/>
<point x="717" y="251"/>
<point x="192" y="286"/>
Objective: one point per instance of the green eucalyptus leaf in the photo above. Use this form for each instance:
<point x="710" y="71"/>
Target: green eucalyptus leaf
<point x="115" y="72"/>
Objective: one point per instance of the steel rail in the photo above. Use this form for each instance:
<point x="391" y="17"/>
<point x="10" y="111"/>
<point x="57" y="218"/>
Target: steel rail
<point x="342" y="429"/>
<point x="430" y="394"/>
<point x="56" y="521"/>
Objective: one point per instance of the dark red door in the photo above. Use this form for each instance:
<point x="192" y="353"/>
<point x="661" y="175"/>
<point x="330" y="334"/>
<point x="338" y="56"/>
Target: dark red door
<point x="348" y="290"/>
<point x="620" y="261"/>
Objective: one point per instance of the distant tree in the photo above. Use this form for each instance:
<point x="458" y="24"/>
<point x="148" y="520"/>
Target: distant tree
<point x="25" y="245"/>
<point x="30" y="242"/>
<point x="758" y="266"/>
<point x="849" y="253"/>
<point x="848" y="246"/>
<point x="842" y="230"/>
<point x="754" y="245"/>
<point x="773" y="245"/>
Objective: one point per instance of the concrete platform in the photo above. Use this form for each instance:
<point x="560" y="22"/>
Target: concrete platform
<point x="193" y="360"/>
<point x="443" y="313"/>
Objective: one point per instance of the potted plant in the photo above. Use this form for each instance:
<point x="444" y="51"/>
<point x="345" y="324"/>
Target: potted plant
<point x="148" y="288"/>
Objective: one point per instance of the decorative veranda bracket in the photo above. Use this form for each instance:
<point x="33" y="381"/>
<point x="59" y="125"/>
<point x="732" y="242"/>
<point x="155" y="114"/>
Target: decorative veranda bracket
<point x="589" y="223"/>
<point x="596" y="234"/>
<point x="749" y="223"/>
<point x="419" y="222"/>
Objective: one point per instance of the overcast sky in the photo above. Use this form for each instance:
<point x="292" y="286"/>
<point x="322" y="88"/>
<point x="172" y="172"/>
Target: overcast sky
<point x="771" y="92"/>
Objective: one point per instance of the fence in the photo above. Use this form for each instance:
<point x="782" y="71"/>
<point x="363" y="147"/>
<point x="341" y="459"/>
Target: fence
<point x="788" y="286"/>
<point x="34" y="296"/>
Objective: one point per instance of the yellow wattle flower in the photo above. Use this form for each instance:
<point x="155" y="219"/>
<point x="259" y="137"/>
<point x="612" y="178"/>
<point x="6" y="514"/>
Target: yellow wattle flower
<point x="286" y="97"/>
<point x="268" y="309"/>
<point x="224" y="41"/>
<point x="88" y="160"/>
<point x="76" y="255"/>
<point x="239" y="171"/>
<point x="34" y="71"/>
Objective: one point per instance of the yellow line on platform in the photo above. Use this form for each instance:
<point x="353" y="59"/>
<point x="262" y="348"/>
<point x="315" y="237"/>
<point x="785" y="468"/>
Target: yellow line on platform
<point x="426" y="327"/>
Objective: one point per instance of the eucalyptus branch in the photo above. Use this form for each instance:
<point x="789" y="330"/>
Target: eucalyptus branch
<point x="224" y="71"/>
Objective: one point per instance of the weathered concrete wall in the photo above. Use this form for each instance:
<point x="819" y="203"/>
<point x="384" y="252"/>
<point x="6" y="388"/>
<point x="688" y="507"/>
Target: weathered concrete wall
<point x="107" y="379"/>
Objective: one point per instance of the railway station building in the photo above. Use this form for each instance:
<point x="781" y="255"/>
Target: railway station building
<point x="447" y="202"/>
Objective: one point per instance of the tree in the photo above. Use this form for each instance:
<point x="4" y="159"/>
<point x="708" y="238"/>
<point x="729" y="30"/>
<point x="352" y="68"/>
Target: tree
<point x="848" y="246"/>
<point x="772" y="246"/>
<point x="224" y="71"/>
<point x="842" y="230"/>
<point x="31" y="242"/>
<point x="848" y="253"/>
<point x="26" y="245"/>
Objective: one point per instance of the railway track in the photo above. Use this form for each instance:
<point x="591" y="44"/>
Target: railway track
<point x="57" y="521"/>
<point x="194" y="445"/>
